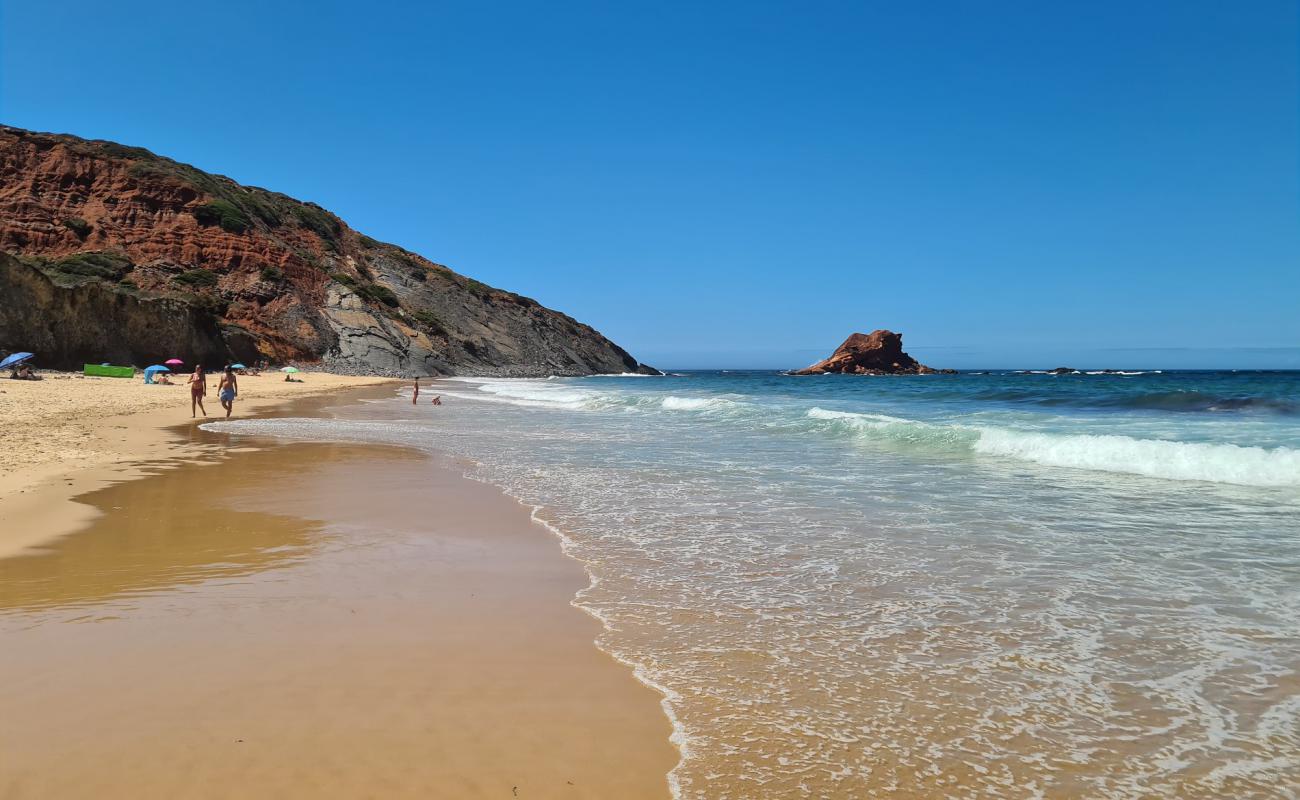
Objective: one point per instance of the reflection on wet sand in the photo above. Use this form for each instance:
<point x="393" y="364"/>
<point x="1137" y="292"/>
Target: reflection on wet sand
<point x="167" y="530"/>
<point x="311" y="620"/>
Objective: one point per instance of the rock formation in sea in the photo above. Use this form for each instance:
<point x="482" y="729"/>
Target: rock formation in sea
<point x="117" y="254"/>
<point x="877" y="353"/>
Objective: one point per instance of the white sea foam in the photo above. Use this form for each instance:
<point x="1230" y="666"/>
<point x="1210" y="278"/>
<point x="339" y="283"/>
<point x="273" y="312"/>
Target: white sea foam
<point x="533" y="392"/>
<point x="803" y="647"/>
<point x="1182" y="461"/>
<point x="1170" y="460"/>
<point x="674" y="403"/>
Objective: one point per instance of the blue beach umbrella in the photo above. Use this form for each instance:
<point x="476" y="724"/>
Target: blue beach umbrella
<point x="14" y="359"/>
<point x="238" y="366"/>
<point x="149" y="372"/>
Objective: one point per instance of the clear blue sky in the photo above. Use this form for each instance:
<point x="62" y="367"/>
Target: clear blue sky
<point x="743" y="184"/>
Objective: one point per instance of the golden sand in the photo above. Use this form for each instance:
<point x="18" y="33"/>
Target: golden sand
<point x="69" y="433"/>
<point x="308" y="620"/>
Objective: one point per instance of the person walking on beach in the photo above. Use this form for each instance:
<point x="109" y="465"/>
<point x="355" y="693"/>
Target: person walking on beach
<point x="227" y="390"/>
<point x="198" y="389"/>
<point x="415" y="394"/>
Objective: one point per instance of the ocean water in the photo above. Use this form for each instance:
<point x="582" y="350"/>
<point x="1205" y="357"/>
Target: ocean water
<point x="1004" y="584"/>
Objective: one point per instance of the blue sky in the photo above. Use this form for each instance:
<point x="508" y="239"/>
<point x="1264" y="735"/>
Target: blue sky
<point x="743" y="184"/>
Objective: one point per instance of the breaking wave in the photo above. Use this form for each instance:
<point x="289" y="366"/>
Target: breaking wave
<point x="1155" y="458"/>
<point x="674" y="403"/>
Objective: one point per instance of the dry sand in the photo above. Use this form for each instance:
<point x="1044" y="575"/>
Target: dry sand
<point x="69" y="433"/>
<point x="296" y="620"/>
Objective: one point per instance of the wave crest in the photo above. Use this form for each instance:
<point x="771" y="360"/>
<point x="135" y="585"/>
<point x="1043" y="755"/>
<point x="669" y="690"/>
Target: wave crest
<point x="1155" y="458"/>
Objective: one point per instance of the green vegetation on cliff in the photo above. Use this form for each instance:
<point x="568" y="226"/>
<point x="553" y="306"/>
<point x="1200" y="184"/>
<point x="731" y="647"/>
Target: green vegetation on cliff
<point x="285" y="277"/>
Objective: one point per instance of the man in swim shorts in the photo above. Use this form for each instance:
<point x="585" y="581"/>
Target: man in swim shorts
<point x="227" y="390"/>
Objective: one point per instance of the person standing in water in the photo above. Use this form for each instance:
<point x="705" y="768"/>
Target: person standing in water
<point x="415" y="394"/>
<point x="198" y="389"/>
<point x="227" y="390"/>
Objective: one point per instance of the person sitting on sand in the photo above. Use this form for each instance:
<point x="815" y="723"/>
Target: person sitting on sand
<point x="198" y="384"/>
<point x="162" y="378"/>
<point x="227" y="389"/>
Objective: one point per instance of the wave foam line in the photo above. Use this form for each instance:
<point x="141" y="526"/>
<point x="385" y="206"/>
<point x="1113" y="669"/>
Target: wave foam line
<point x="669" y="698"/>
<point x="1154" y="458"/>
<point x="675" y="403"/>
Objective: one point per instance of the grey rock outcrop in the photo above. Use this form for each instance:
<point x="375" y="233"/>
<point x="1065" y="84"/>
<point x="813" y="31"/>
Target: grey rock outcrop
<point x="120" y="233"/>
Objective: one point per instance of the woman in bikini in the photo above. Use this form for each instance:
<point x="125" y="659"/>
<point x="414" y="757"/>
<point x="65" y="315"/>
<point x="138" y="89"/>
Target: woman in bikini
<point x="198" y="383"/>
<point x="227" y="389"/>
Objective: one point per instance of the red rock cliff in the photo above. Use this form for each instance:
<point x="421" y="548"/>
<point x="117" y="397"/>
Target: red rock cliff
<point x="289" y="277"/>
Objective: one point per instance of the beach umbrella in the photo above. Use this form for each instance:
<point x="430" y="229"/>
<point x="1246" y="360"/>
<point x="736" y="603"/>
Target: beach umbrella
<point x="14" y="359"/>
<point x="173" y="362"/>
<point x="157" y="368"/>
<point x="238" y="366"/>
<point x="288" y="369"/>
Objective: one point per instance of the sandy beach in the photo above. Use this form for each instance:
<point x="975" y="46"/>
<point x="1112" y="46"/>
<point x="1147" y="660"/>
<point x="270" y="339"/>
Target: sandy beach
<point x="67" y="434"/>
<point x="214" y="617"/>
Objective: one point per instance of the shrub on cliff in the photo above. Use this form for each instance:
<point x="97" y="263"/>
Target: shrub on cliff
<point x="224" y="213"/>
<point x="272" y="274"/>
<point x="78" y="226"/>
<point x="382" y="294"/>
<point x="215" y="306"/>
<point x="80" y="268"/>
<point x="477" y="287"/>
<point x="198" y="278"/>
<point x="319" y="221"/>
<point x="94" y="265"/>
<point x="429" y="321"/>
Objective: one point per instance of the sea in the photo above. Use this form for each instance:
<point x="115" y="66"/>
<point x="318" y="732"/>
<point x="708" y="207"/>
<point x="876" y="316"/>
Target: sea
<point x="998" y="583"/>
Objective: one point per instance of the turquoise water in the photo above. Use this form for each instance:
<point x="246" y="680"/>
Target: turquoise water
<point x="980" y="585"/>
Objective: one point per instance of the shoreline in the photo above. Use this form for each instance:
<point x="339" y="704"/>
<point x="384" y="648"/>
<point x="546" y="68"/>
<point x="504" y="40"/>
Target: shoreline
<point x="62" y="447"/>
<point x="621" y="744"/>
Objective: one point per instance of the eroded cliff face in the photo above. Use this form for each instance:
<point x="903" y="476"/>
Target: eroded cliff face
<point x="119" y="227"/>
<point x="65" y="324"/>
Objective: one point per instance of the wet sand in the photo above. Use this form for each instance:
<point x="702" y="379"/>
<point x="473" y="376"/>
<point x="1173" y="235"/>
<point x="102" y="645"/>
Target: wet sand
<point x="68" y="433"/>
<point x="309" y="620"/>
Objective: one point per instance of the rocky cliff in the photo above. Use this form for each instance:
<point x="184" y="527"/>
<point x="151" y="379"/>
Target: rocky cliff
<point x="119" y="254"/>
<point x="877" y="353"/>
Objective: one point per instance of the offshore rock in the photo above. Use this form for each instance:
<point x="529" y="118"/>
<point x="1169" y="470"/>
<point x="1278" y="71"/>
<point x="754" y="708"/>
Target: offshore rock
<point x="119" y="234"/>
<point x="877" y="353"/>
